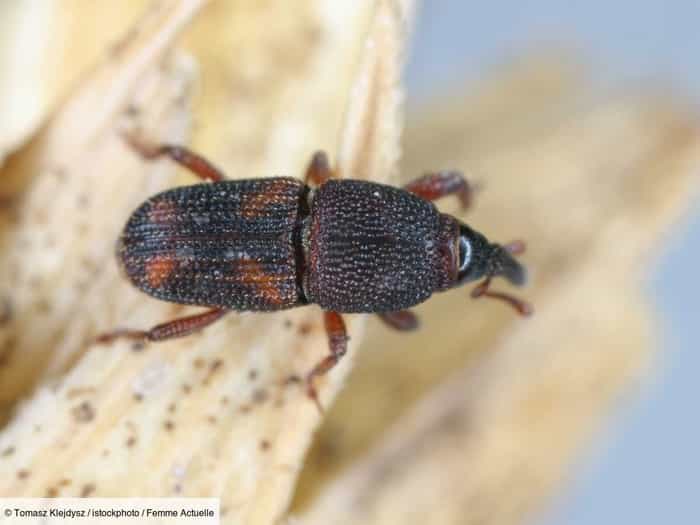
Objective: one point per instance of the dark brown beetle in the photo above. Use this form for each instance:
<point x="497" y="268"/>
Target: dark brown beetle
<point x="270" y="244"/>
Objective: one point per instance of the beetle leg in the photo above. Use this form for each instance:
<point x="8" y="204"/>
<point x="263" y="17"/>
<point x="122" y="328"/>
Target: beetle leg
<point x="338" y="344"/>
<point x="170" y="330"/>
<point x="197" y="164"/>
<point x="482" y="290"/>
<point x="432" y="186"/>
<point x="404" y="320"/>
<point x="319" y="170"/>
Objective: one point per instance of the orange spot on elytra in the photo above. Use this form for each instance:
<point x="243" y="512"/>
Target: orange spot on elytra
<point x="256" y="204"/>
<point x="252" y="272"/>
<point x="162" y="212"/>
<point x="158" y="269"/>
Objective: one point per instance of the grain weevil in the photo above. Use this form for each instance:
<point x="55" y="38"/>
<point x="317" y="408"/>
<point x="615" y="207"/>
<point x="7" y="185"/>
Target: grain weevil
<point x="270" y="244"/>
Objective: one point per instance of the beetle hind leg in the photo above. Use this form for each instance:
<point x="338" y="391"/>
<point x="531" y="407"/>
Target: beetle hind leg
<point x="338" y="344"/>
<point x="169" y="330"/>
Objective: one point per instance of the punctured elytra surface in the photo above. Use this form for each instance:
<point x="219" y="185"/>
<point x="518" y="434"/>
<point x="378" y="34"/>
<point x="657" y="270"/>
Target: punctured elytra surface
<point x="229" y="244"/>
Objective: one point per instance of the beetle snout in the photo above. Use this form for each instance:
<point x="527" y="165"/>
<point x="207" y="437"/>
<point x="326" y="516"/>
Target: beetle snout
<point x="510" y="268"/>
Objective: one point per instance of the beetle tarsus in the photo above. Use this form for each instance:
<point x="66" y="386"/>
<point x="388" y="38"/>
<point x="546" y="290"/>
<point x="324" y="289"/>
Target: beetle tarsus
<point x="110" y="337"/>
<point x="338" y="344"/>
<point x="313" y="394"/>
<point x="196" y="164"/>
<point x="169" y="330"/>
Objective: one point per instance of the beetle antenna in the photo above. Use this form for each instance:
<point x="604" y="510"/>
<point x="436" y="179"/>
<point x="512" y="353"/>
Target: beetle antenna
<point x="482" y="290"/>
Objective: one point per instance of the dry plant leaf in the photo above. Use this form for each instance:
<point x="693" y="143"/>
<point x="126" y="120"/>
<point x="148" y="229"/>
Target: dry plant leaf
<point x="278" y="79"/>
<point x="492" y="441"/>
<point x="215" y="413"/>
<point x="59" y="223"/>
<point x="44" y="48"/>
<point x="21" y="27"/>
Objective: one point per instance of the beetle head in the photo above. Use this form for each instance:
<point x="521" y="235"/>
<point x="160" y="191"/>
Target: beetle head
<point x="479" y="258"/>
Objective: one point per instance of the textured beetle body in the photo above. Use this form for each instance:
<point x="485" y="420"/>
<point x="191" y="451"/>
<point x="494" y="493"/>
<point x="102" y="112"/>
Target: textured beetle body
<point x="232" y="244"/>
<point x="261" y="245"/>
<point x="271" y="244"/>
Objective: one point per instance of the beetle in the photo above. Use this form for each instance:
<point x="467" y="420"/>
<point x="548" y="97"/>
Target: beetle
<point x="270" y="244"/>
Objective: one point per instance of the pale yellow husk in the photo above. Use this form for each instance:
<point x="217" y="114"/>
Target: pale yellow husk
<point x="475" y="419"/>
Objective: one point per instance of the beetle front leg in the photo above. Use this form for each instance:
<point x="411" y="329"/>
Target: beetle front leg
<point x="432" y="186"/>
<point x="319" y="170"/>
<point x="338" y="344"/>
<point x="403" y="320"/>
<point x="170" y="330"/>
<point x="197" y="164"/>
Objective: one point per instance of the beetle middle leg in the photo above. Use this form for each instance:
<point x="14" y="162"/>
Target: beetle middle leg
<point x="198" y="165"/>
<point x="319" y="169"/>
<point x="169" y="330"/>
<point x="338" y="344"/>
<point x="432" y="186"/>
<point x="403" y="320"/>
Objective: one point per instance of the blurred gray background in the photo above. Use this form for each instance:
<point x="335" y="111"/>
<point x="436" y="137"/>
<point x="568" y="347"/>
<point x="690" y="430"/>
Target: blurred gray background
<point x="644" y="464"/>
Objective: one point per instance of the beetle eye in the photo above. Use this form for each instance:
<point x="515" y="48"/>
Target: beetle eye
<point x="465" y="254"/>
